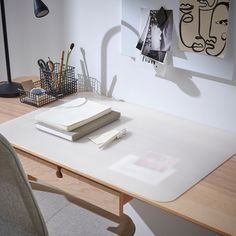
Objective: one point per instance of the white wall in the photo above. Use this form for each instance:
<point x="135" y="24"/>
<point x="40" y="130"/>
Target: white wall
<point x="30" y="38"/>
<point x="95" y="26"/>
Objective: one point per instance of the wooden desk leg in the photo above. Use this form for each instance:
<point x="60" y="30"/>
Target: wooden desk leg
<point x="31" y="178"/>
<point x="126" y="199"/>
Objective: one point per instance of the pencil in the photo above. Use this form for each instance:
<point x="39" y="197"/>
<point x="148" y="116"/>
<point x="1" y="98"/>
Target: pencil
<point x="60" y="69"/>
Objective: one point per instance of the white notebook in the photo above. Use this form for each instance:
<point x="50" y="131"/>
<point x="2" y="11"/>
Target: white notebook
<point x="73" y="114"/>
<point x="82" y="130"/>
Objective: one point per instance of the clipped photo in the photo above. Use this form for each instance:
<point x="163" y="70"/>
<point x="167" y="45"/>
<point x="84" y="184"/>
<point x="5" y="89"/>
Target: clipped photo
<point x="158" y="35"/>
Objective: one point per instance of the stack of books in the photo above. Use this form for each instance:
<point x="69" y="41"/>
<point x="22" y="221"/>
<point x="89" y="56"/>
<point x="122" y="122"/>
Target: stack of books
<point x="75" y="119"/>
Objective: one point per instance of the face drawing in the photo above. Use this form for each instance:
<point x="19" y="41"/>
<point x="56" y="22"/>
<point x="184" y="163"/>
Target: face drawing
<point x="188" y="28"/>
<point x="218" y="31"/>
<point x="207" y="4"/>
<point x="203" y="26"/>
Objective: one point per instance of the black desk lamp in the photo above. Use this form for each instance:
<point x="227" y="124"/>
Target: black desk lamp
<point x="9" y="88"/>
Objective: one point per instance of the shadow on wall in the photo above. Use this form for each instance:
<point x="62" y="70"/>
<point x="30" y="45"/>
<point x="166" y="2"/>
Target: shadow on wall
<point x="184" y="81"/>
<point x="85" y="81"/>
<point x="107" y="37"/>
<point x="182" y="78"/>
<point x="182" y="75"/>
<point x="89" y="84"/>
<point x="135" y="31"/>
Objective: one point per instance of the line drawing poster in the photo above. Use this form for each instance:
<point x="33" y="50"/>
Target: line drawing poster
<point x="132" y="24"/>
<point x="203" y="26"/>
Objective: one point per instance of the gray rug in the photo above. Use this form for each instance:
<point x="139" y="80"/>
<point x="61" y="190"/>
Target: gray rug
<point x="67" y="216"/>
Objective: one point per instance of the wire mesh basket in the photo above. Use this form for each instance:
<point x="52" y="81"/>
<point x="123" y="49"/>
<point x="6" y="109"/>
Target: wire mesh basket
<point x="39" y="99"/>
<point x="59" y="83"/>
<point x="88" y="84"/>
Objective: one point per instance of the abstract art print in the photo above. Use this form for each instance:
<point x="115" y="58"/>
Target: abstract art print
<point x="203" y="26"/>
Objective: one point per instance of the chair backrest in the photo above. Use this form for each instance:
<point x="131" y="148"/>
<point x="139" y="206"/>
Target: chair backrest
<point x="19" y="212"/>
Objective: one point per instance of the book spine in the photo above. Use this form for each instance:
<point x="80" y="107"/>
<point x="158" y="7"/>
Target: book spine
<point x="54" y="132"/>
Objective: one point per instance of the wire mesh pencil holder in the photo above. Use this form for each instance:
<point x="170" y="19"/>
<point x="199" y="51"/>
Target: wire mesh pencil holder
<point x="36" y="100"/>
<point x="59" y="83"/>
<point x="88" y="84"/>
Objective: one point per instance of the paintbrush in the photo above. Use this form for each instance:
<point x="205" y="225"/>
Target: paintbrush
<point x="67" y="60"/>
<point x="68" y="55"/>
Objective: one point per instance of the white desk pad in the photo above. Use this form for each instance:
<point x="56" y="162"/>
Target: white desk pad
<point x="160" y="157"/>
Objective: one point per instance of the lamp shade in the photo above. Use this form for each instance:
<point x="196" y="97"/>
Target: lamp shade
<point x="40" y="9"/>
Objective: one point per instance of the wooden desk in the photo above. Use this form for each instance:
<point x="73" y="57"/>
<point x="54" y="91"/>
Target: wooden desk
<point x="210" y="203"/>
